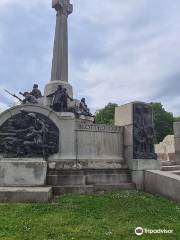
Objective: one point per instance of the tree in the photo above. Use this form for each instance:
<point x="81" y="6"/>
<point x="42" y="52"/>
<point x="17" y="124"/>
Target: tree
<point x="106" y="115"/>
<point x="176" y="119"/>
<point x="163" y="122"/>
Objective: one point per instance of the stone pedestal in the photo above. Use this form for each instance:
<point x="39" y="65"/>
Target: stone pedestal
<point x="25" y="194"/>
<point x="24" y="180"/>
<point x="139" y="167"/>
<point x="22" y="172"/>
<point x="136" y="119"/>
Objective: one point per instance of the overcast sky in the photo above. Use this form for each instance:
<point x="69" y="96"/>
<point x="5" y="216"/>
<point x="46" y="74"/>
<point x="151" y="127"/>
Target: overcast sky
<point x="119" y="50"/>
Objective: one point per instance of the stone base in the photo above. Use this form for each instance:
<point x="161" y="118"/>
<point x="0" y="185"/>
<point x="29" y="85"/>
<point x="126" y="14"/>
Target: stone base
<point x="22" y="172"/>
<point x="25" y="194"/>
<point x="162" y="183"/>
<point x="145" y="164"/>
<point x="86" y="119"/>
<point x="73" y="164"/>
<point x="138" y="170"/>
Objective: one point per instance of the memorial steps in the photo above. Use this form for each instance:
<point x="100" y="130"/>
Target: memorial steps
<point x="89" y="181"/>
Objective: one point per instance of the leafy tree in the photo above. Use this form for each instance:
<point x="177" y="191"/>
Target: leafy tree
<point x="106" y="115"/>
<point x="163" y="122"/>
<point x="176" y="119"/>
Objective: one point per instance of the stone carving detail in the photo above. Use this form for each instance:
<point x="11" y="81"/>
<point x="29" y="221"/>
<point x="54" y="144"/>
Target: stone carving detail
<point x="98" y="128"/>
<point x="63" y="6"/>
<point x="143" y="132"/>
<point x="28" y="134"/>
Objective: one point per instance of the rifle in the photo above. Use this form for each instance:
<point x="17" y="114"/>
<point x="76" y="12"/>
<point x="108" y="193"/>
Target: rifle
<point x="13" y="95"/>
<point x="21" y="94"/>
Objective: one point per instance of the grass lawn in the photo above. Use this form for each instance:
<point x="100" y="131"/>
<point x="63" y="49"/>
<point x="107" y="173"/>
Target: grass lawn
<point x="99" y="217"/>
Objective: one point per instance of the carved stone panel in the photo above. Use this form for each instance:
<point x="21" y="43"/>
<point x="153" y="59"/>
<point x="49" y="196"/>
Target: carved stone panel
<point x="28" y="134"/>
<point x="143" y="147"/>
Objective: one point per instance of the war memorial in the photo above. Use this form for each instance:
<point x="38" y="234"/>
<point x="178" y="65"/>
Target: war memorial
<point x="50" y="143"/>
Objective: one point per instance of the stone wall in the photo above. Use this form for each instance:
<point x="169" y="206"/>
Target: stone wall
<point x="99" y="145"/>
<point x="177" y="141"/>
<point x="165" y="150"/>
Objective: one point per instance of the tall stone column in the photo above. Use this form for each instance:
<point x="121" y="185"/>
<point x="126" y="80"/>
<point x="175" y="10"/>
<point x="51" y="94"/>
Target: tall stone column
<point x="59" y="72"/>
<point x="60" y="54"/>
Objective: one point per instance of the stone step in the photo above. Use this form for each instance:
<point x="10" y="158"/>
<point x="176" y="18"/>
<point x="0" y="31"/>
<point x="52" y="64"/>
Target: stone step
<point x="107" y="178"/>
<point x="170" y="168"/>
<point x="89" y="179"/>
<point x="25" y="194"/>
<point x="168" y="163"/>
<point x="90" y="189"/>
<point x="80" y="189"/>
<point x="115" y="187"/>
<point x="66" y="180"/>
<point x="87" y="171"/>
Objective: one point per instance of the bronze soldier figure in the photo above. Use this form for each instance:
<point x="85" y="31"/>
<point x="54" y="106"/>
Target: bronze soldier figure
<point x="65" y="98"/>
<point x="36" y="92"/>
<point x="60" y="99"/>
<point x="84" y="109"/>
<point x="57" y="104"/>
<point x="29" y="98"/>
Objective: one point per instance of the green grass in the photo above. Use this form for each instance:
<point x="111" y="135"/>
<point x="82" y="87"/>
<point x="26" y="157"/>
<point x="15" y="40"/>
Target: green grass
<point x="99" y="217"/>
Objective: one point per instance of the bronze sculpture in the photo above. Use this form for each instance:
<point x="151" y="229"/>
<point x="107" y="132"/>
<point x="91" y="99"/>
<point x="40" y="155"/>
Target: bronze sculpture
<point x="28" y="134"/>
<point x="60" y="99"/>
<point x="36" y="92"/>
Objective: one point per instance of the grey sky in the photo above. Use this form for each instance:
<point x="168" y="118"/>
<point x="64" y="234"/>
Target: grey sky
<point x="119" y="50"/>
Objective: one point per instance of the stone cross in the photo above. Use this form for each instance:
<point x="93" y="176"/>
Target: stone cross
<point x="60" y="53"/>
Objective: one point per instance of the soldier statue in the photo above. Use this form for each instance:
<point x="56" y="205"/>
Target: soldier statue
<point x="65" y="98"/>
<point x="60" y="100"/>
<point x="57" y="99"/>
<point x="84" y="109"/>
<point x="36" y="92"/>
<point x="29" y="98"/>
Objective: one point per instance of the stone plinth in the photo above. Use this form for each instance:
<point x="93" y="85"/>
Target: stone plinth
<point x="136" y="120"/>
<point x="139" y="167"/>
<point x="25" y="194"/>
<point x="22" y="172"/>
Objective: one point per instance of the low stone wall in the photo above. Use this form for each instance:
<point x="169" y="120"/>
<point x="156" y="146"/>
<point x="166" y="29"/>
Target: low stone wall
<point x="165" y="150"/>
<point x="163" y="183"/>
